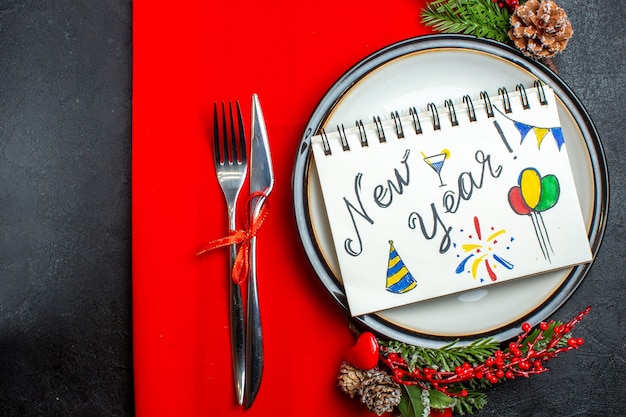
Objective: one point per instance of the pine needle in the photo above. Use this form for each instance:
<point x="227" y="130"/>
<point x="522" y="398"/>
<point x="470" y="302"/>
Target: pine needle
<point x="481" y="18"/>
<point x="446" y="357"/>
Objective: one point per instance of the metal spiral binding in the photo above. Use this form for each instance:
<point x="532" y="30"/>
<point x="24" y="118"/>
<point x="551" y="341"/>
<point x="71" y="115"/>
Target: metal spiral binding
<point x="379" y="130"/>
<point x="362" y="134"/>
<point x="325" y="143"/>
<point x="398" y="124"/>
<point x="505" y="100"/>
<point x="470" y="108"/>
<point x="435" y="114"/>
<point x="542" y="94"/>
<point x="523" y="96"/>
<point x="343" y="138"/>
<point x="487" y="101"/>
<point x="416" y="121"/>
<point x="452" y="112"/>
<point x="417" y="126"/>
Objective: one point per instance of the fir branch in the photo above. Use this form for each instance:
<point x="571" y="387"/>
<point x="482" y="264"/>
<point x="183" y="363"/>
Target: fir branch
<point x="453" y="375"/>
<point x="472" y="402"/>
<point x="482" y="18"/>
<point x="445" y="358"/>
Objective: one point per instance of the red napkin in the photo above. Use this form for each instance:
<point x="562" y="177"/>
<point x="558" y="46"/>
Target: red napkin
<point x="187" y="55"/>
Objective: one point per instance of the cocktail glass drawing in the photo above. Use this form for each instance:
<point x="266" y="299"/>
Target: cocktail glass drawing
<point x="436" y="163"/>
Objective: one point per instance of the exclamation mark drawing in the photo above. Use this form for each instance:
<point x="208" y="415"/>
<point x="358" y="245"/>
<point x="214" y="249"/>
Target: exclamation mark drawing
<point x="506" y="143"/>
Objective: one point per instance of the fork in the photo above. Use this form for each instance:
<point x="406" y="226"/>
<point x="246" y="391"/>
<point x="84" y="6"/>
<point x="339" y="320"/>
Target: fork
<point x="231" y="165"/>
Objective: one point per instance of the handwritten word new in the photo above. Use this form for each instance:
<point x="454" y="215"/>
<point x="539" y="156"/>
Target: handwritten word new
<point x="383" y="197"/>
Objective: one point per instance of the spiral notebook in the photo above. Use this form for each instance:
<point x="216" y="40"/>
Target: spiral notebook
<point x="450" y="198"/>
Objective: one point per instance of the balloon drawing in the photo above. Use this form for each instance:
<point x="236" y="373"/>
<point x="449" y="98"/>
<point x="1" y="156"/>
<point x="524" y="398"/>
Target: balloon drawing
<point x="532" y="196"/>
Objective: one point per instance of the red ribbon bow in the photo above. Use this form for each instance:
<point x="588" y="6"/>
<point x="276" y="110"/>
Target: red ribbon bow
<point x="241" y="237"/>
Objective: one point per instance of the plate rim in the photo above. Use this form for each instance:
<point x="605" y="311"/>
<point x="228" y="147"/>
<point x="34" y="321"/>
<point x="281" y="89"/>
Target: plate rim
<point x="334" y="96"/>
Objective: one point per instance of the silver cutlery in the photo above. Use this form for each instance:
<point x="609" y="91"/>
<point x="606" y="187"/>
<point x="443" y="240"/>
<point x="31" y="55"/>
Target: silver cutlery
<point x="261" y="184"/>
<point x="230" y="168"/>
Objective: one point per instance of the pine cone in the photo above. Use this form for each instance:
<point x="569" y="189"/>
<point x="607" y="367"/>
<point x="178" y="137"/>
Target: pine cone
<point x="350" y="379"/>
<point x="540" y="29"/>
<point x="379" y="392"/>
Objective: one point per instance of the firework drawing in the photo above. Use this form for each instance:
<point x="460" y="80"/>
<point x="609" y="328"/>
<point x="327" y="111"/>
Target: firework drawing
<point x="481" y="252"/>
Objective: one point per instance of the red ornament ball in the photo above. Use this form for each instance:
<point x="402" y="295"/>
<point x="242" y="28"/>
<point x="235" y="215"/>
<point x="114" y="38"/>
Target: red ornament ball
<point x="364" y="354"/>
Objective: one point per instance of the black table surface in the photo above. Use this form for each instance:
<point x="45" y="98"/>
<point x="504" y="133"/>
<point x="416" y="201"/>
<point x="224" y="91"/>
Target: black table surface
<point x="65" y="216"/>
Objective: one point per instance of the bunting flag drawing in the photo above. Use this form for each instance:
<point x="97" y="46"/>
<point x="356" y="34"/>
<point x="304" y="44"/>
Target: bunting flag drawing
<point x="399" y="279"/>
<point x="540" y="133"/>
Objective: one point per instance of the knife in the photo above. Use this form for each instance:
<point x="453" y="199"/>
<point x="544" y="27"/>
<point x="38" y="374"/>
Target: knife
<point x="261" y="180"/>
